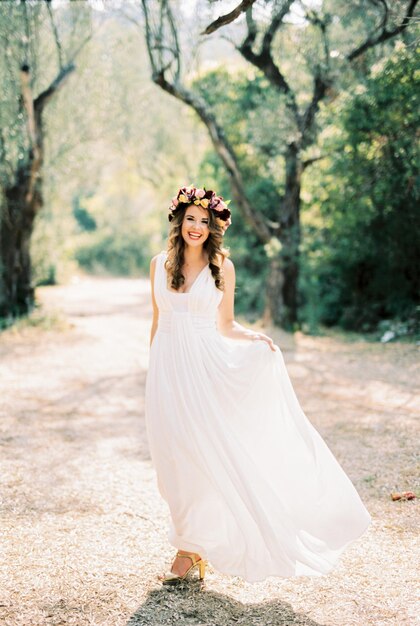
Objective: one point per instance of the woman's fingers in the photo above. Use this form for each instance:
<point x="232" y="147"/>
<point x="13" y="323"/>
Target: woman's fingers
<point x="267" y="339"/>
<point x="271" y="344"/>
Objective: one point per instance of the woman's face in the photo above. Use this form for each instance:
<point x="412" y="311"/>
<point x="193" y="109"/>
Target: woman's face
<point x="195" y="226"/>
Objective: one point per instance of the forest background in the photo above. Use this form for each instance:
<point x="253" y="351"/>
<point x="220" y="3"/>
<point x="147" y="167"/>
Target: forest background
<point x="304" y="113"/>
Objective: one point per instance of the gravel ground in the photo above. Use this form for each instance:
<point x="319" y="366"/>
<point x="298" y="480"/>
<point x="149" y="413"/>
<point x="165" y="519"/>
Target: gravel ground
<point x="83" y="528"/>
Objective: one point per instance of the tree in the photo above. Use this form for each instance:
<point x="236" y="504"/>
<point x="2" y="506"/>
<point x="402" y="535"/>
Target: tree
<point x="284" y="277"/>
<point x="365" y="250"/>
<point x="260" y="47"/>
<point x="36" y="64"/>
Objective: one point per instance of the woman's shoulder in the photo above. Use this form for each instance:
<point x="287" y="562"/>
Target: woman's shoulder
<point x="157" y="256"/>
<point x="227" y="264"/>
<point x="154" y="263"/>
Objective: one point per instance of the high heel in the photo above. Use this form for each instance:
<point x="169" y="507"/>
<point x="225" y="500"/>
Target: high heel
<point x="172" y="579"/>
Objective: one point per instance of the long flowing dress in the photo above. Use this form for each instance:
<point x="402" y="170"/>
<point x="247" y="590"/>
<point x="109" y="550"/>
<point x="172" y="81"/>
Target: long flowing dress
<point x="250" y="484"/>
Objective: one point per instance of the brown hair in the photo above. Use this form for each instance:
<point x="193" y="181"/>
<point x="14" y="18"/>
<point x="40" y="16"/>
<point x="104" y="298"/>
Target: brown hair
<point x="213" y="245"/>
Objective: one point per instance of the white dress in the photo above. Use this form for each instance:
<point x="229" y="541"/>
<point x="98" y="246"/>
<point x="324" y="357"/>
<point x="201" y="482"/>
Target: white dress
<point x="250" y="484"/>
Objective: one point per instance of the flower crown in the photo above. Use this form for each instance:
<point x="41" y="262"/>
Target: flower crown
<point x="206" y="198"/>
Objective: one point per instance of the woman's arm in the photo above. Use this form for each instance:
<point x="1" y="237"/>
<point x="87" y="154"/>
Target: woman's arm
<point x="226" y="323"/>
<point x="155" y="308"/>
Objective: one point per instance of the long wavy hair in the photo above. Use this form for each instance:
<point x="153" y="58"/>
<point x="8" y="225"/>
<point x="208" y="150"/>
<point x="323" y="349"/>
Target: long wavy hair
<point x="213" y="245"/>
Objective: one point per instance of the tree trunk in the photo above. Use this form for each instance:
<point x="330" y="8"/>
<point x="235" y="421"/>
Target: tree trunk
<point x="22" y="201"/>
<point x="274" y="301"/>
<point x="16" y="226"/>
<point x="292" y="232"/>
<point x="282" y="285"/>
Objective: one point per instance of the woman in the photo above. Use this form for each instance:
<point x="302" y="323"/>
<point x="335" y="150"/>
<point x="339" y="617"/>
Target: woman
<point x="250" y="484"/>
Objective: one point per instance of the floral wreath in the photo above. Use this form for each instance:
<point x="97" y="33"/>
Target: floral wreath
<point x="205" y="198"/>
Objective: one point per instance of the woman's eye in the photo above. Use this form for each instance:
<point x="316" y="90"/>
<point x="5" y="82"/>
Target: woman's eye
<point x="190" y="219"/>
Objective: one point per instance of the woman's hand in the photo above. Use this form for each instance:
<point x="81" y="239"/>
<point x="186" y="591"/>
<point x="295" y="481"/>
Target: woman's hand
<point x="226" y="323"/>
<point x="266" y="338"/>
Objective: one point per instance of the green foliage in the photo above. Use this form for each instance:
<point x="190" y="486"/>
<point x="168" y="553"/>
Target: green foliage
<point x="361" y="233"/>
<point x="84" y="219"/>
<point x="37" y="318"/>
<point x="240" y="101"/>
<point x="117" y="253"/>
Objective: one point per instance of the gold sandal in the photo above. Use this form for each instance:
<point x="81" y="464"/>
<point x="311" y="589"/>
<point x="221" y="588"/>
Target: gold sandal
<point x="172" y="579"/>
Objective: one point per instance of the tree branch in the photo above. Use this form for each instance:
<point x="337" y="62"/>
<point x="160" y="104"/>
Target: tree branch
<point x="82" y="45"/>
<point x="322" y="23"/>
<point x="276" y="22"/>
<point x="28" y="103"/>
<point x="321" y="74"/>
<point x="228" y="17"/>
<point x="56" y="37"/>
<point x="264" y="59"/>
<point x="223" y="149"/>
<point x="174" y="34"/>
<point x="217" y="136"/>
<point x="35" y="136"/>
<point x="385" y="34"/>
<point x="320" y="88"/>
<point x="148" y="33"/>
<point x="42" y="99"/>
<point x="307" y="162"/>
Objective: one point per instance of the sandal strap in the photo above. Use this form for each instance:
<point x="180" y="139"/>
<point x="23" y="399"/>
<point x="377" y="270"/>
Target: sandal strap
<point x="193" y="558"/>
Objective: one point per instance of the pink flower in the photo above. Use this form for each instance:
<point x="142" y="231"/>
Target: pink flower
<point x="201" y="197"/>
<point x="219" y="206"/>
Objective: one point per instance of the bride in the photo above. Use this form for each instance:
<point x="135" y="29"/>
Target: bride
<point x="250" y="484"/>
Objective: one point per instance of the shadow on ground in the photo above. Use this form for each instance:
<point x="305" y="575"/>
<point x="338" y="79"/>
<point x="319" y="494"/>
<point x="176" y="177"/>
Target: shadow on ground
<point x="196" y="606"/>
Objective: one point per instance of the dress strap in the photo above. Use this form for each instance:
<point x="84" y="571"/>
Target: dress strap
<point x="161" y="268"/>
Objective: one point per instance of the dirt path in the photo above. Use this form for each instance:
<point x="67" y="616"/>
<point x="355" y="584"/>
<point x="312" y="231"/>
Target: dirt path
<point x="83" y="529"/>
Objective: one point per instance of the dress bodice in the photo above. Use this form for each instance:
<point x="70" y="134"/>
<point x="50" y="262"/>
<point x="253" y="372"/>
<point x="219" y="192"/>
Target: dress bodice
<point x="179" y="304"/>
<point x="202" y="299"/>
<point x="194" y="311"/>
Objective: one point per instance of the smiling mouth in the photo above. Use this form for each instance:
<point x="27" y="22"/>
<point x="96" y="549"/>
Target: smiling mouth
<point x="194" y="235"/>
